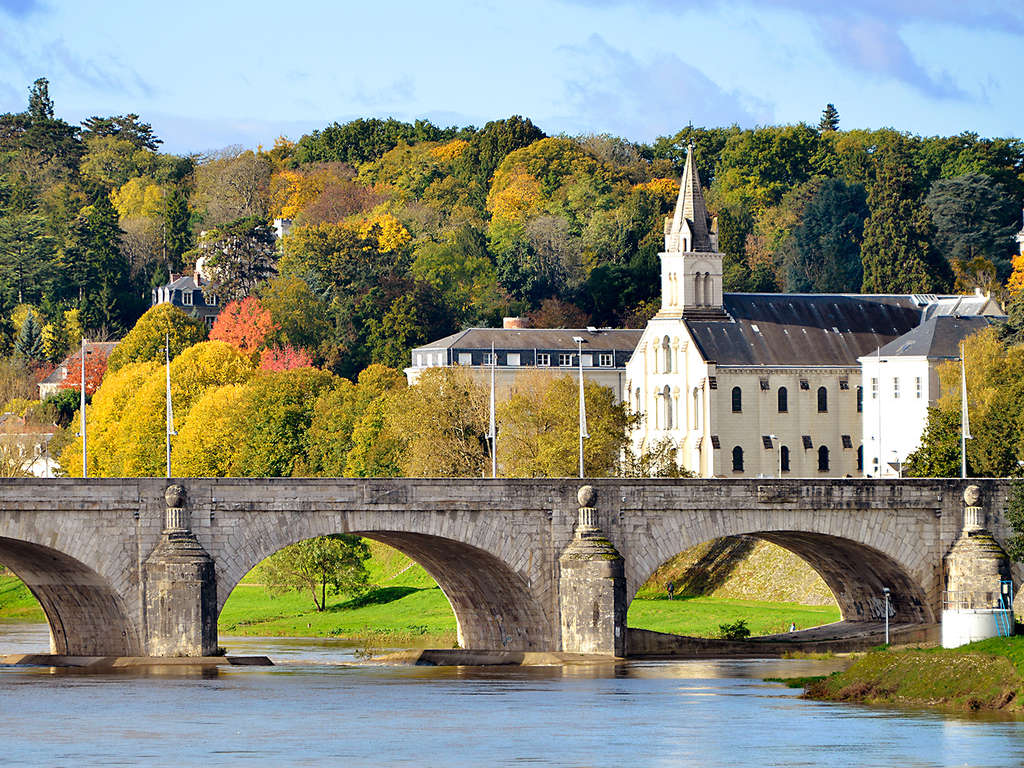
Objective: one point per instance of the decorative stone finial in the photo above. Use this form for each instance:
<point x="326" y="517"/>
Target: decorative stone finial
<point x="974" y="513"/>
<point x="176" y="517"/>
<point x="175" y="496"/>
<point x="972" y="495"/>
<point x="586" y="496"/>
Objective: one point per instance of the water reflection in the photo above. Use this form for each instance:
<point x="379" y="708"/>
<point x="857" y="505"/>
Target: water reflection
<point x="324" y="706"/>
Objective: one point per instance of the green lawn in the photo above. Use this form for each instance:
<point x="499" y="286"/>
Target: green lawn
<point x="407" y="609"/>
<point x="700" y="616"/>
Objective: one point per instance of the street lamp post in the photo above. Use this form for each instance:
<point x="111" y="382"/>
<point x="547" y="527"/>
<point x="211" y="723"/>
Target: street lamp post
<point x="778" y="446"/>
<point x="885" y="591"/>
<point x="580" y="341"/>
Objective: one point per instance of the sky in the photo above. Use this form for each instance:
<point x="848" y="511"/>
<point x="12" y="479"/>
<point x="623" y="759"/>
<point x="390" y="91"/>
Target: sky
<point x="212" y="74"/>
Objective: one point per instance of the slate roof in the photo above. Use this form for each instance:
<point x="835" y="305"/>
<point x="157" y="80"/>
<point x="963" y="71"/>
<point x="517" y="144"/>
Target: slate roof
<point x="786" y="329"/>
<point x="938" y="337"/>
<point x="612" y="339"/>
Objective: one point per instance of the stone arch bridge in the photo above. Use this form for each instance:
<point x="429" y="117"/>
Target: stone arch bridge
<point x="122" y="568"/>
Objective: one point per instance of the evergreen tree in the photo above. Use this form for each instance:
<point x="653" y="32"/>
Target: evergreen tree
<point x="829" y="119"/>
<point x="974" y="216"/>
<point x="40" y="105"/>
<point x="897" y="254"/>
<point x="823" y="255"/>
<point x="177" y="229"/>
<point x="25" y="252"/>
<point x="99" y="268"/>
<point x="29" y="344"/>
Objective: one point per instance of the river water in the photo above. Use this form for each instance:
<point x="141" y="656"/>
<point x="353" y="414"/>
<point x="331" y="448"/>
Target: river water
<point x="321" y="705"/>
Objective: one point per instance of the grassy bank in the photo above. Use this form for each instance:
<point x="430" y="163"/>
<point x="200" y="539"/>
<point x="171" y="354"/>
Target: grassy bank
<point x="407" y="609"/>
<point x="984" y="676"/>
<point x="700" y="616"/>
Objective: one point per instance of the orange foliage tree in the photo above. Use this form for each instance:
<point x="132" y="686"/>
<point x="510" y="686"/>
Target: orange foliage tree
<point x="285" y="359"/>
<point x="243" y="324"/>
<point x="95" y="368"/>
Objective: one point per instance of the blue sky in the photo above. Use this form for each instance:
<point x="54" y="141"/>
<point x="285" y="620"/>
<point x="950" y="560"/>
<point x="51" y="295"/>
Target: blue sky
<point x="209" y="74"/>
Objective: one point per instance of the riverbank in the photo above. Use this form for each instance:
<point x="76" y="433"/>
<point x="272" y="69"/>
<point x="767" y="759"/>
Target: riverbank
<point x="983" y="676"/>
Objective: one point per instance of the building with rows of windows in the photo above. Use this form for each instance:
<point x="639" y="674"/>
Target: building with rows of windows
<point x="762" y="384"/>
<point x="517" y="349"/>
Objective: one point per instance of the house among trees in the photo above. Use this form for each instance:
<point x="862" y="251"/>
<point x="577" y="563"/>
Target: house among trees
<point x="747" y="385"/>
<point x="192" y="294"/>
<point x="518" y="349"/>
<point x="96" y="353"/>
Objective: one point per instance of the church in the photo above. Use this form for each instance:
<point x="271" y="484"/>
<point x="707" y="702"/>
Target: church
<point x="765" y="385"/>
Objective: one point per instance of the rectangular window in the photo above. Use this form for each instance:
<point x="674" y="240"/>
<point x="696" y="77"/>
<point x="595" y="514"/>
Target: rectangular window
<point x="917" y="387"/>
<point x="588" y="361"/>
<point x="806" y="441"/>
<point x="804" y="384"/>
<point x="186" y="298"/>
<point x="512" y="358"/>
<point x="766" y="441"/>
<point x="606" y="360"/>
<point x="210" y="299"/>
<point x="465" y="358"/>
<point x="764" y="385"/>
<point x="874" y="389"/>
<point x="844" y="384"/>
<point x="847" y="441"/>
<point x="896" y="387"/>
<point x="489" y="358"/>
<point x="565" y="359"/>
<point x="543" y="358"/>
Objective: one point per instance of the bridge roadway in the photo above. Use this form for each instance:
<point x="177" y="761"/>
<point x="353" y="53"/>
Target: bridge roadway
<point x="96" y="552"/>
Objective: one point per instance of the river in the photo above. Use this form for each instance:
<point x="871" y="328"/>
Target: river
<point x="322" y="706"/>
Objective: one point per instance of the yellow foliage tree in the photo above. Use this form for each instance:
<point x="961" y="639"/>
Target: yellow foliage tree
<point x="103" y="417"/>
<point x="197" y="369"/>
<point x="139" y="196"/>
<point x="388" y="231"/>
<point x="445" y="153"/>
<point x="1015" y="283"/>
<point x="207" y="442"/>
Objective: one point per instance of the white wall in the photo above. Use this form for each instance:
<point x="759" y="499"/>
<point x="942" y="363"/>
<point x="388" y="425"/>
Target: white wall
<point x="894" y="423"/>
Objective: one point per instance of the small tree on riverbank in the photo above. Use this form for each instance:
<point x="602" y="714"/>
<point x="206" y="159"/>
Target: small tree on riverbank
<point x="334" y="562"/>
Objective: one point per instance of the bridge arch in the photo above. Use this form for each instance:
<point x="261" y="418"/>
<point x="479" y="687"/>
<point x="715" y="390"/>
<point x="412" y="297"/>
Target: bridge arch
<point x="87" y="617"/>
<point x="494" y="604"/>
<point x="856" y="559"/>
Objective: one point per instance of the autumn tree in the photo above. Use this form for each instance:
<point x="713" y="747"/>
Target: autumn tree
<point x="95" y="369"/>
<point x="146" y="340"/>
<point x="441" y="424"/>
<point x="244" y="324"/>
<point x="538" y="429"/>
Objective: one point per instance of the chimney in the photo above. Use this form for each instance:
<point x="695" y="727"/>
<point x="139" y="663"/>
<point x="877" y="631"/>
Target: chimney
<point x="515" y="322"/>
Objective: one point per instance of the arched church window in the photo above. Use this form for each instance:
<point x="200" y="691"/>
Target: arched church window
<point x="737" y="400"/>
<point x="737" y="459"/>
<point x="822" y="459"/>
<point x="783" y="400"/>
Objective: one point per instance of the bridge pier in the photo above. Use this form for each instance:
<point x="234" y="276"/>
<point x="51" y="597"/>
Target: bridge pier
<point x="592" y="587"/>
<point x="180" y="588"/>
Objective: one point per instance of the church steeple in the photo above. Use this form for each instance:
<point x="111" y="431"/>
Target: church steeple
<point x="691" y="266"/>
<point x="690" y="228"/>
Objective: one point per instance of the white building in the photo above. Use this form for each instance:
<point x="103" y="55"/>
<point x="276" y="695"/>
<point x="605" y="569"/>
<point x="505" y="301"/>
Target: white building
<point x="902" y="381"/>
<point x="759" y="384"/>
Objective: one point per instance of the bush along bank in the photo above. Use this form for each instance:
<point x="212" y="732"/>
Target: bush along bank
<point x="983" y="676"/>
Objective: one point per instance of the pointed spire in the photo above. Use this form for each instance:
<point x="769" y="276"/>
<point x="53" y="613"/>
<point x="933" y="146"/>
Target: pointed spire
<point x="691" y="213"/>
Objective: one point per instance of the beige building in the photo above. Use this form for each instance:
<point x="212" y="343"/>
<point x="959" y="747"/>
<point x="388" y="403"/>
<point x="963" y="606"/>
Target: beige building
<point x="517" y="350"/>
<point x="759" y="384"/>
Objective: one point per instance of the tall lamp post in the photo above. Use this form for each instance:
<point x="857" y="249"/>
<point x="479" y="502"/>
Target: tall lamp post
<point x="580" y="341"/>
<point x="778" y="446"/>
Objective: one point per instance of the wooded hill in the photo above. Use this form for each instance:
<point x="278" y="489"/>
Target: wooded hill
<point x="407" y="232"/>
